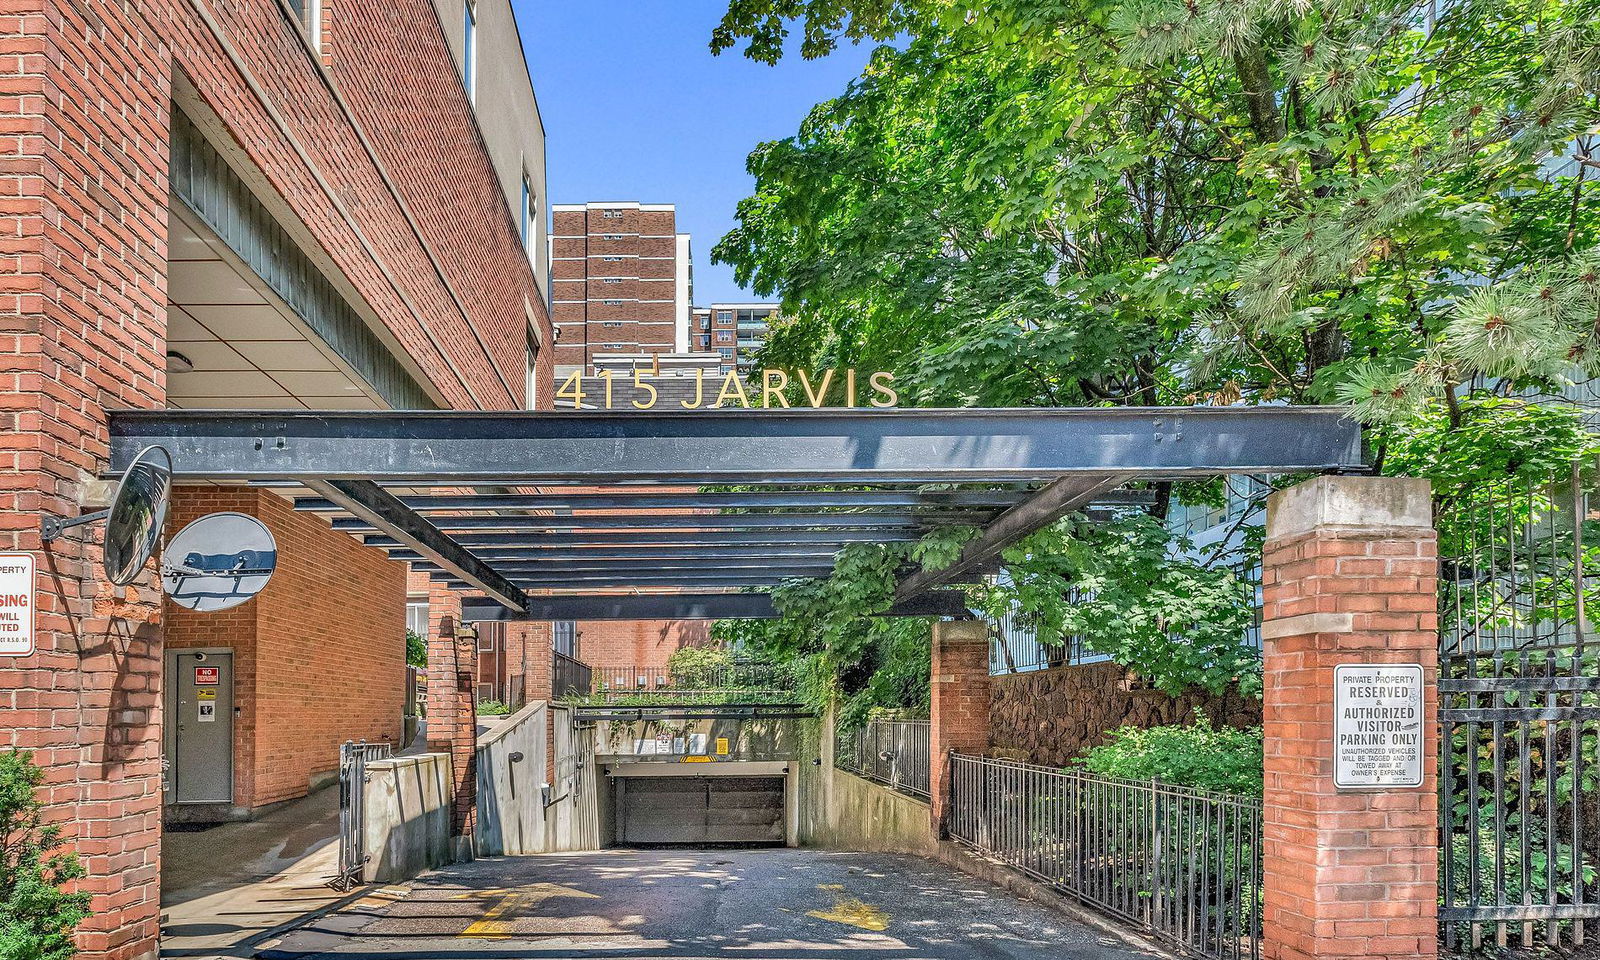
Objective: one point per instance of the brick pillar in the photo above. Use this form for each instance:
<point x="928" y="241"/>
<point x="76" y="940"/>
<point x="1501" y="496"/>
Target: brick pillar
<point x="1349" y="574"/>
<point x="452" y="717"/>
<point x="83" y="322"/>
<point x="534" y="639"/>
<point x="960" y="704"/>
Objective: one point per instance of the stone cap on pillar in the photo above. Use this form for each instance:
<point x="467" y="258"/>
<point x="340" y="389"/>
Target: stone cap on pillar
<point x="1372" y="504"/>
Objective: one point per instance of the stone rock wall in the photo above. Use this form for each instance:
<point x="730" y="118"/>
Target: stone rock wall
<point x="1052" y="716"/>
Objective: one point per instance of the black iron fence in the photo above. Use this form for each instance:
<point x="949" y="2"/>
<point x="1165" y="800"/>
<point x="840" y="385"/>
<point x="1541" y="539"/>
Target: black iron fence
<point x="569" y="676"/>
<point x="892" y="752"/>
<point x="611" y="682"/>
<point x="1519" y="712"/>
<point x="1183" y="865"/>
<point x="353" y="757"/>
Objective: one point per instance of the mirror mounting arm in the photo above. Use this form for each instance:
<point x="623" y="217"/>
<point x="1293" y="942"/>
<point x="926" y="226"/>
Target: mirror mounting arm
<point x="52" y="528"/>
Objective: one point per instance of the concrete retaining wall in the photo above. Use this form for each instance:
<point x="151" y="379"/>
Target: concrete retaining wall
<point x="842" y="811"/>
<point x="526" y="803"/>
<point x="407" y="806"/>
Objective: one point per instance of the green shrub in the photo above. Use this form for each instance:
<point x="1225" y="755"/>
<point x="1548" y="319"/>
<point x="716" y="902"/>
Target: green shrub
<point x="492" y="708"/>
<point x="36" y="917"/>
<point x="699" y="668"/>
<point x="416" y="650"/>
<point x="1197" y="755"/>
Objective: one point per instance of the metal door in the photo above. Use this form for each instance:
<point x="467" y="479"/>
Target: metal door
<point x="700" y="810"/>
<point x="202" y="723"/>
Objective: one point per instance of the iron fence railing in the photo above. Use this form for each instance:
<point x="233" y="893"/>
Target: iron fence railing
<point x="1183" y="865"/>
<point x="618" y="681"/>
<point x="1519" y="714"/>
<point x="569" y="676"/>
<point x="353" y="758"/>
<point x="892" y="752"/>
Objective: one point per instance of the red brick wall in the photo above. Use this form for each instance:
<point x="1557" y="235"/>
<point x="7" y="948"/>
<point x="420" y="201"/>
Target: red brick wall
<point x="637" y="643"/>
<point x="85" y="87"/>
<point x="319" y="655"/>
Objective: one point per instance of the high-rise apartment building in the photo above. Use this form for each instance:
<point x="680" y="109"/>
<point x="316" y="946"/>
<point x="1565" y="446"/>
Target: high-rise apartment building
<point x="621" y="281"/>
<point x="733" y="331"/>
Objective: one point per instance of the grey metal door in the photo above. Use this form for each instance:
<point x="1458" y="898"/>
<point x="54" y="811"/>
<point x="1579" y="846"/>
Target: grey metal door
<point x="202" y="743"/>
<point x="700" y="810"/>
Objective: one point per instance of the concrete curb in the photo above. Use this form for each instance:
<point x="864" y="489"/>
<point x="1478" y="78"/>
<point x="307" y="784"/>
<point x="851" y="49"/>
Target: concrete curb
<point x="954" y="855"/>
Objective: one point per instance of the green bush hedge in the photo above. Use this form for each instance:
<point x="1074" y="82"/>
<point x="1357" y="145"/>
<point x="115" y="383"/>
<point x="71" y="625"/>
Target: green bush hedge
<point x="1197" y="754"/>
<point x="36" y="917"/>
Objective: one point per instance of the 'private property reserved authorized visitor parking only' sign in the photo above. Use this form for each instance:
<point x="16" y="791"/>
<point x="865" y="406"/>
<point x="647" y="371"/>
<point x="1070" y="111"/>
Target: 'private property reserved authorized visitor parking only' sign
<point x="1377" y="725"/>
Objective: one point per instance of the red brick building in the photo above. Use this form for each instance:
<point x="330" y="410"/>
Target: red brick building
<point x="252" y="204"/>
<point x="621" y="281"/>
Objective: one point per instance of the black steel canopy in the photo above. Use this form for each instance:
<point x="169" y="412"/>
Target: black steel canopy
<point x="504" y="503"/>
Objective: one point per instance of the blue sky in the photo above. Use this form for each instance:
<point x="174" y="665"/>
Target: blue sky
<point x="635" y="107"/>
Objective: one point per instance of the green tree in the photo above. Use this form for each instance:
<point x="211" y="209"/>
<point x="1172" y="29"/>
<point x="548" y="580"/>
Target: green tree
<point x="1152" y="202"/>
<point x="37" y="917"/>
<point x="416" y="649"/>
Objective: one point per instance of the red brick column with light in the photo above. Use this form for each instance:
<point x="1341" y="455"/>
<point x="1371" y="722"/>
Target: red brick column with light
<point x="959" y="715"/>
<point x="1349" y="572"/>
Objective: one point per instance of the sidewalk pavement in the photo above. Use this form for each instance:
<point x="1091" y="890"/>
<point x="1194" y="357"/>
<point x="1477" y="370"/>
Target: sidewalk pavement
<point x="224" y="888"/>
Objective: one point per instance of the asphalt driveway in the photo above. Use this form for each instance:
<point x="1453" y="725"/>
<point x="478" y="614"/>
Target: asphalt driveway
<point x="751" y="904"/>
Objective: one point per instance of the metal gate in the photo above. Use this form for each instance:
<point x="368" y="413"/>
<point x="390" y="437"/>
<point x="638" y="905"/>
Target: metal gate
<point x="1519" y="695"/>
<point x="353" y="757"/>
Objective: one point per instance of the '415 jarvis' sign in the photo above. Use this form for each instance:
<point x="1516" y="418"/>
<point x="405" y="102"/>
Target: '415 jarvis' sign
<point x="607" y="390"/>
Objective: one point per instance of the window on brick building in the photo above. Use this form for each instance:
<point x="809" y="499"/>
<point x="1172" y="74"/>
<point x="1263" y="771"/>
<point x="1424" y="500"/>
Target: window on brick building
<point x="564" y="637"/>
<point x="612" y="259"/>
<point x="724" y="316"/>
<point x="530" y="214"/>
<point x="530" y="383"/>
<point x="724" y="336"/>
<point x="705" y="322"/>
<point x="611" y="236"/>
<point x="611" y="280"/>
<point x="309" y="13"/>
<point x="727" y="352"/>
<point x="613" y="303"/>
<point x="417" y="617"/>
<point x="611" y="214"/>
<point x="612" y="323"/>
<point x="469" y="48"/>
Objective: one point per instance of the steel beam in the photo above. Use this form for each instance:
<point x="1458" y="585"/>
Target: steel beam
<point x="686" y="606"/>
<point x="983" y="552"/>
<point x="463" y="448"/>
<point x="686" y="538"/>
<point x="712" y="555"/>
<point x="978" y="500"/>
<point x="626" y="581"/>
<point x="365" y="499"/>
<point x="693" y="521"/>
<point x="512" y="569"/>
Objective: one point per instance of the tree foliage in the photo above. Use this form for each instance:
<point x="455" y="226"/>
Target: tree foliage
<point x="1148" y="202"/>
<point x="37" y="917"/>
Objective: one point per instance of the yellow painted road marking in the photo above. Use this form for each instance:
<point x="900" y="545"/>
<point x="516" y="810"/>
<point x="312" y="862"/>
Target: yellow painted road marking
<point x="854" y="913"/>
<point x="492" y="926"/>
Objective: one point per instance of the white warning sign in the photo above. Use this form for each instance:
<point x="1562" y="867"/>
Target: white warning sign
<point x="1377" y="725"/>
<point x="16" y="604"/>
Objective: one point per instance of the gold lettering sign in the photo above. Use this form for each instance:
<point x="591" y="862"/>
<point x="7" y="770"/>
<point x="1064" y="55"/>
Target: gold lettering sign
<point x="765" y="389"/>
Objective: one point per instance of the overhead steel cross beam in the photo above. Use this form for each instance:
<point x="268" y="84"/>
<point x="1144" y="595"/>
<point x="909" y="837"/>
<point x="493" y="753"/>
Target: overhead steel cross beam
<point x="463" y="448"/>
<point x="975" y="500"/>
<point x="685" y="606"/>
<point x="983" y="551"/>
<point x="365" y="499"/>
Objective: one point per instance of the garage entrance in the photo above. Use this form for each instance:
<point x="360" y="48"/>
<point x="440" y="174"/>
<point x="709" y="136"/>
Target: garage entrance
<point x="700" y="811"/>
